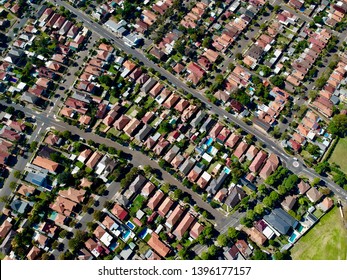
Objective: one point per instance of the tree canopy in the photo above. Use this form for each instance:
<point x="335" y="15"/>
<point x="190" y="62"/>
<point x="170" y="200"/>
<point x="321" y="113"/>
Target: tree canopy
<point x="338" y="125"/>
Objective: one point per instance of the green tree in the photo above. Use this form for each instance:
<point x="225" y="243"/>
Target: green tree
<point x="17" y="174"/>
<point x="233" y="233"/>
<point x="33" y="146"/>
<point x="97" y="215"/>
<point x="223" y="240"/>
<point x="205" y="256"/>
<point x="322" y="167"/>
<point x="212" y="250"/>
<point x="313" y="149"/>
<point x="259" y="209"/>
<point x="259" y="255"/>
<point x="13" y="186"/>
<point x="66" y="134"/>
<point x="338" y="125"/>
<point x="9" y="110"/>
<point x="64" y="178"/>
<point x="177" y="194"/>
<point x="246" y="222"/>
<point x="277" y="81"/>
<point x="239" y="56"/>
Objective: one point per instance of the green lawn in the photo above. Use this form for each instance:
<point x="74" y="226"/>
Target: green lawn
<point x="327" y="240"/>
<point x="338" y="155"/>
<point x="113" y="99"/>
<point x="137" y="204"/>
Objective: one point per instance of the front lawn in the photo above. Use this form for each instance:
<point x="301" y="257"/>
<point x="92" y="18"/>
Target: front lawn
<point x="338" y="155"/>
<point x="327" y="240"/>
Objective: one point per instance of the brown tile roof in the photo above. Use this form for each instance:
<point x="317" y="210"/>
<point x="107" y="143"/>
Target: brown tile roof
<point x="5" y="228"/>
<point x="184" y="225"/>
<point x="255" y="235"/>
<point x="165" y="206"/>
<point x="314" y="195"/>
<point x="119" y="212"/>
<point x="147" y="189"/>
<point x="63" y="206"/>
<point x="158" y="246"/>
<point x="33" y="253"/>
<point x="197" y="228"/>
<point x="25" y="190"/>
<point x="258" y="161"/>
<point x="94" y="159"/>
<point x="73" y="194"/>
<point x="175" y="216"/>
<point x="155" y="199"/>
<point x="45" y="163"/>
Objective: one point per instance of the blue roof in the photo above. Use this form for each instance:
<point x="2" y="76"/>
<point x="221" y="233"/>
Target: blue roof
<point x="38" y="179"/>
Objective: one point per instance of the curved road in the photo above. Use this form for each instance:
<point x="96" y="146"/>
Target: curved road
<point x="271" y="145"/>
<point x="137" y="158"/>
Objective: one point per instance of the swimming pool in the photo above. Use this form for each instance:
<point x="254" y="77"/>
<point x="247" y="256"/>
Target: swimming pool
<point x="113" y="246"/>
<point x="130" y="225"/>
<point x="226" y="170"/>
<point x="13" y="80"/>
<point x="143" y="233"/>
<point x="212" y="151"/>
<point x="53" y="215"/>
<point x="292" y="238"/>
<point x="299" y="228"/>
<point x="209" y="142"/>
<point x="126" y="234"/>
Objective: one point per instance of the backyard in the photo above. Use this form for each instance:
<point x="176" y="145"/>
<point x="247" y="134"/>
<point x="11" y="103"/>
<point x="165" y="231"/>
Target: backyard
<point x="340" y="149"/>
<point x="327" y="240"/>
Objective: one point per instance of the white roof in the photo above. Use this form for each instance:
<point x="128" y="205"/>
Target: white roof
<point x="207" y="157"/>
<point x="268" y="232"/>
<point x="21" y="85"/>
<point x="106" y="239"/>
<point x="206" y="176"/>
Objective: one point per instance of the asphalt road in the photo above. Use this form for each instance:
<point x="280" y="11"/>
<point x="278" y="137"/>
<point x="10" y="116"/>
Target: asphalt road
<point x="271" y="145"/>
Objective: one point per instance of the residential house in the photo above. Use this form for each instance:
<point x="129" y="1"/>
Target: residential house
<point x="137" y="184"/>
<point x="255" y="235"/>
<point x="148" y="189"/>
<point x="196" y="230"/>
<point x="235" y="196"/>
<point x="155" y="199"/>
<point x="244" y="249"/>
<point x="184" y="225"/>
<point x="233" y="253"/>
<point x="121" y="122"/>
<point x="270" y="166"/>
<point x="258" y="161"/>
<point x="46" y="163"/>
<point x="173" y="218"/>
<point x="204" y="180"/>
<point x="157" y="245"/>
<point x="119" y="212"/>
<point x="314" y="195"/>
<point x="280" y="221"/>
<point x="75" y="195"/>
<point x="93" y="160"/>
<point x="288" y="202"/>
<point x="326" y="204"/>
<point x="303" y="187"/>
<point x="165" y="206"/>
<point x="241" y="148"/>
